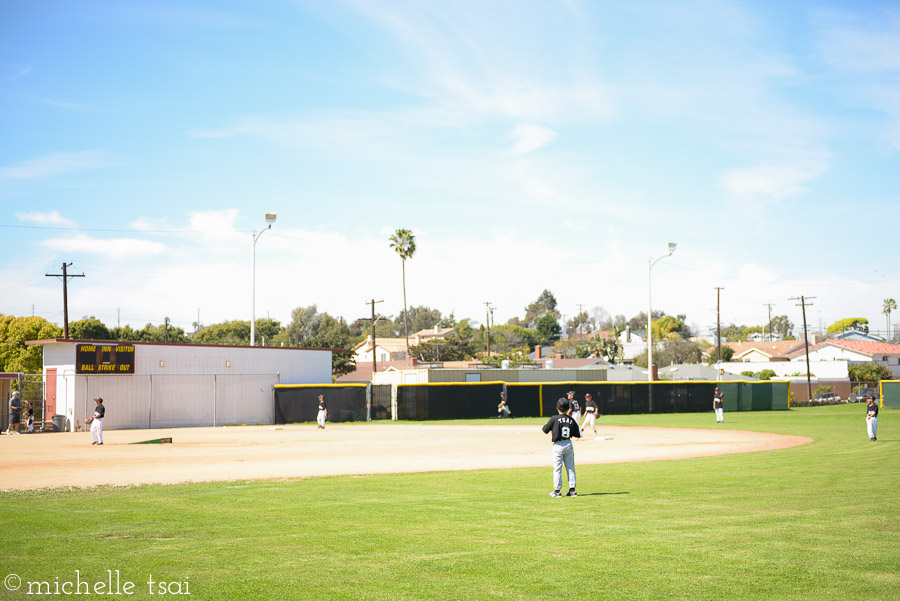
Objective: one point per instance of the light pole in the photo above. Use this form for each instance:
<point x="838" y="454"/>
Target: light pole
<point x="270" y="219"/>
<point x="651" y="262"/>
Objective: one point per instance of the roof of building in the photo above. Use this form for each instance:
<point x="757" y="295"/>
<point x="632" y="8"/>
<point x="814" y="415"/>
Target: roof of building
<point x="393" y="345"/>
<point x="772" y="348"/>
<point x="860" y="346"/>
<point x="432" y="332"/>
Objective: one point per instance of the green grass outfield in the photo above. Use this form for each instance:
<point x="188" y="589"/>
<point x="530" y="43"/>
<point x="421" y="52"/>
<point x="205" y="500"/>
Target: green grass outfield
<point x="816" y="522"/>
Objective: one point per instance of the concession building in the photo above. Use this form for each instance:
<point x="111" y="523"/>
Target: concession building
<point x="159" y="385"/>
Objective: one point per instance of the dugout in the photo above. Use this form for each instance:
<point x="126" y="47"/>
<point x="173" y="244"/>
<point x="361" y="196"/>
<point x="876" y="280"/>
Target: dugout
<point x="345" y="403"/>
<point x="160" y="385"/>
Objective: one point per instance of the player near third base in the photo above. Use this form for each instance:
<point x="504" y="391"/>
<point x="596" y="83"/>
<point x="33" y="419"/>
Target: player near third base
<point x="590" y="413"/>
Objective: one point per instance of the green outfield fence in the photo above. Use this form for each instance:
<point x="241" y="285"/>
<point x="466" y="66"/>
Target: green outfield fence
<point x="300" y="402"/>
<point x="890" y="393"/>
<point x="472" y="400"/>
<point x="538" y="399"/>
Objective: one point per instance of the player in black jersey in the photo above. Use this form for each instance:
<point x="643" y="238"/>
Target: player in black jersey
<point x="563" y="428"/>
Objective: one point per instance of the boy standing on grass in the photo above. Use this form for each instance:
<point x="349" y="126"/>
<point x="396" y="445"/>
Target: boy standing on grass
<point x="872" y="419"/>
<point x="563" y="428"/>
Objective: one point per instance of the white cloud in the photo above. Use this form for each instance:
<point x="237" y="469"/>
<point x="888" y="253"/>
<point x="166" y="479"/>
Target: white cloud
<point x="775" y="179"/>
<point x="113" y="247"/>
<point x="52" y="218"/>
<point x="58" y="163"/>
<point x="528" y="138"/>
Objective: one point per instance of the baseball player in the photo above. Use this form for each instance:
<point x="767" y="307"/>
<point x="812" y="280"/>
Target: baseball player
<point x="29" y="421"/>
<point x="15" y="406"/>
<point x="718" y="398"/>
<point x="323" y="412"/>
<point x="576" y="410"/>
<point x="590" y="413"/>
<point x="872" y="419"/>
<point x="97" y="422"/>
<point x="503" y="407"/>
<point x="563" y="428"/>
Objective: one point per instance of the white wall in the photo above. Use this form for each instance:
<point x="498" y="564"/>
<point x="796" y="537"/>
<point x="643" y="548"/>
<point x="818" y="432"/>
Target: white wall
<point x="827" y="370"/>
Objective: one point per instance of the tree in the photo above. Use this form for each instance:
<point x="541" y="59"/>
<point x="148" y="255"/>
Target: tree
<point x="15" y="355"/>
<point x="229" y="332"/>
<point x="309" y="328"/>
<point x="727" y="354"/>
<point x="404" y="244"/>
<point x="667" y="327"/>
<point x="638" y="323"/>
<point x="548" y="329"/>
<point x="89" y="328"/>
<point x="869" y="372"/>
<point x="860" y="324"/>
<point x="544" y="305"/>
<point x="152" y="333"/>
<point x="889" y="305"/>
<point x="766" y="374"/>
<point x="782" y="325"/>
<point x="420" y="318"/>
<point x="579" y="325"/>
<point x="515" y="359"/>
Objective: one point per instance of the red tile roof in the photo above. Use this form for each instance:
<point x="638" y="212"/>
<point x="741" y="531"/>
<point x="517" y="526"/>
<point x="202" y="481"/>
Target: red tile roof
<point x="861" y="346"/>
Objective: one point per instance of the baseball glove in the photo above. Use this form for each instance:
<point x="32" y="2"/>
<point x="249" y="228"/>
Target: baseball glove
<point x="88" y="420"/>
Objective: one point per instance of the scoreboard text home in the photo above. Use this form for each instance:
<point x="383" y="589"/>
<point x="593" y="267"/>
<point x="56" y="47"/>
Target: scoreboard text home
<point x="104" y="358"/>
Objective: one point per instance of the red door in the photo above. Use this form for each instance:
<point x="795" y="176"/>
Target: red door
<point x="50" y="394"/>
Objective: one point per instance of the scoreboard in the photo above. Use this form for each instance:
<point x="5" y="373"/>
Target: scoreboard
<point x="104" y="359"/>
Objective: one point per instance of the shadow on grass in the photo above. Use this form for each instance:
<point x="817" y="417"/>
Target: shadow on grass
<point x="600" y="494"/>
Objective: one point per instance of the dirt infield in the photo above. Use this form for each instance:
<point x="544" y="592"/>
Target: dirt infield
<point x="255" y="452"/>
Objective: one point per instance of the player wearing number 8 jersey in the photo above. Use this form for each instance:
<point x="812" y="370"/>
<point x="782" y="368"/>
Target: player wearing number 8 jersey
<point x="563" y="429"/>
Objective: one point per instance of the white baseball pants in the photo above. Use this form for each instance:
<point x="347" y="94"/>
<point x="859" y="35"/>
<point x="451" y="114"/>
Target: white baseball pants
<point x="563" y="453"/>
<point x="720" y="415"/>
<point x="872" y="426"/>
<point x="97" y="430"/>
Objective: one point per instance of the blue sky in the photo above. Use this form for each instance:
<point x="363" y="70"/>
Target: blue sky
<point x="529" y="145"/>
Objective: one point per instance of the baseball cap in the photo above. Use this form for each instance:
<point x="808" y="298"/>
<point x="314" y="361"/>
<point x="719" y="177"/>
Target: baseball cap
<point x="15" y="392"/>
<point x="562" y="404"/>
<point x="98" y="399"/>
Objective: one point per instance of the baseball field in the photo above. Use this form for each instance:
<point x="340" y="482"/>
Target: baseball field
<point x="459" y="510"/>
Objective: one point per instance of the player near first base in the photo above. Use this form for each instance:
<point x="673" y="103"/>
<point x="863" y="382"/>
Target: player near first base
<point x="563" y="429"/>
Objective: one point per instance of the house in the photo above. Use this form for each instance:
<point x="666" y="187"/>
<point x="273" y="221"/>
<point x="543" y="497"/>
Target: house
<point x="633" y="342"/>
<point x="857" y="335"/>
<point x="767" y="337"/>
<point x="854" y="352"/>
<point x="386" y="349"/>
<point x="395" y="349"/>
<point x="758" y="352"/>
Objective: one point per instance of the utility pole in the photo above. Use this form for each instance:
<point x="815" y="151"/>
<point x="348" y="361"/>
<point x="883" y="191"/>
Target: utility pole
<point x="373" y="302"/>
<point x="719" y="290"/>
<point x="487" y="329"/>
<point x="581" y="322"/>
<point x="65" y="280"/>
<point x="803" y="303"/>
<point x="167" y="330"/>
<point x="768" y="325"/>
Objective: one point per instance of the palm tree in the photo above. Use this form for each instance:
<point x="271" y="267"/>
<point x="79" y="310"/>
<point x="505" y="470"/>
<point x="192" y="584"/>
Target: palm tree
<point x="404" y="243"/>
<point x="889" y="305"/>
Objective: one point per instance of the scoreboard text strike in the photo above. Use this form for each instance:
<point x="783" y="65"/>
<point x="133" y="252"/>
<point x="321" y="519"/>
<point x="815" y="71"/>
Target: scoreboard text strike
<point x="104" y="359"/>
